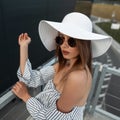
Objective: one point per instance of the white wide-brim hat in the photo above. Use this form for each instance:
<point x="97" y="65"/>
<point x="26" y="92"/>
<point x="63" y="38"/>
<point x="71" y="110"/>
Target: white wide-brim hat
<point x="75" y="25"/>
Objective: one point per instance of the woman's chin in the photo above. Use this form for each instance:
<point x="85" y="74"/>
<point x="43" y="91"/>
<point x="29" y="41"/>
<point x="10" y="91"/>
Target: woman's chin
<point x="66" y="57"/>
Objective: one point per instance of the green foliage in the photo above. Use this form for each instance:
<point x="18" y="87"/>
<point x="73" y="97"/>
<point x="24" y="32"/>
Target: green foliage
<point x="106" y="26"/>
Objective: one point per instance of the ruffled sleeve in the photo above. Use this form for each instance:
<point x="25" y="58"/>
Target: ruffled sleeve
<point x="35" y="78"/>
<point x="40" y="112"/>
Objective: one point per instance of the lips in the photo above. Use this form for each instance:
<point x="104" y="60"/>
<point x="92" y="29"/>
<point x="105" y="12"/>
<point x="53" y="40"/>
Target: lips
<point x="65" y="52"/>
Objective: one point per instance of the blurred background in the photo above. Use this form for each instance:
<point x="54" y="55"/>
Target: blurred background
<point x="21" y="16"/>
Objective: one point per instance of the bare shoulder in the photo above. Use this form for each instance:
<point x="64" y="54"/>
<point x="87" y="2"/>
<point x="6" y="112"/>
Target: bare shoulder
<point x="79" y="77"/>
<point x="79" y="82"/>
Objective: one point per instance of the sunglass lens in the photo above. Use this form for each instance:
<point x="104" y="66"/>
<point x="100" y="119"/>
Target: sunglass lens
<point x="72" y="42"/>
<point x="59" y="40"/>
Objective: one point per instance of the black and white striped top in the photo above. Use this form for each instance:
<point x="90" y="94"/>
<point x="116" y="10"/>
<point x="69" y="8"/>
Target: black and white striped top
<point x="43" y="106"/>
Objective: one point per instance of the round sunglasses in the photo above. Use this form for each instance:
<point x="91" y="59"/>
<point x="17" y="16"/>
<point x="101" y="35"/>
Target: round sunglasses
<point x="71" y="41"/>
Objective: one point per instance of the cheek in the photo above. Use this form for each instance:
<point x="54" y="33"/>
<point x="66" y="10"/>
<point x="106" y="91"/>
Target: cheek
<point x="75" y="52"/>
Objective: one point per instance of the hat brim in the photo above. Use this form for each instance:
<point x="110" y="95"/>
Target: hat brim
<point x="49" y="30"/>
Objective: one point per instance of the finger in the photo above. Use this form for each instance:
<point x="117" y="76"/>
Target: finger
<point x="21" y="34"/>
<point x="26" y="36"/>
<point x="15" y="88"/>
<point x="19" y="84"/>
<point x="14" y="91"/>
<point x="20" y="37"/>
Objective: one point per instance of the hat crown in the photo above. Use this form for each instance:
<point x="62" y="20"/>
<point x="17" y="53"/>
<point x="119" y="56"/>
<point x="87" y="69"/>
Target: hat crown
<point x="78" y="20"/>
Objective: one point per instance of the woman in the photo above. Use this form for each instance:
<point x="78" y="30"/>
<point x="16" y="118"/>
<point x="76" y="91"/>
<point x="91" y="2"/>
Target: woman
<point x="69" y="80"/>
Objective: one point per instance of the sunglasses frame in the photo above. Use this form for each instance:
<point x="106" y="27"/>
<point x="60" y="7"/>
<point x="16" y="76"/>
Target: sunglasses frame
<point x="71" y="41"/>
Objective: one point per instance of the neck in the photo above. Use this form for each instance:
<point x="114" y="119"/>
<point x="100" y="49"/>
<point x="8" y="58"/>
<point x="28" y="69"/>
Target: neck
<point x="70" y="62"/>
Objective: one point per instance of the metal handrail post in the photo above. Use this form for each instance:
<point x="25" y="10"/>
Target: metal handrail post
<point x="100" y="83"/>
<point x="96" y="67"/>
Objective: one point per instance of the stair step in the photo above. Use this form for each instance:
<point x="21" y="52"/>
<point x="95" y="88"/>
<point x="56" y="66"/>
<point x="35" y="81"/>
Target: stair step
<point x="104" y="86"/>
<point x="107" y="74"/>
<point x="106" y="79"/>
<point x="101" y="95"/>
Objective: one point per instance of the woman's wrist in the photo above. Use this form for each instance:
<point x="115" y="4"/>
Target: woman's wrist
<point x="25" y="99"/>
<point x="24" y="46"/>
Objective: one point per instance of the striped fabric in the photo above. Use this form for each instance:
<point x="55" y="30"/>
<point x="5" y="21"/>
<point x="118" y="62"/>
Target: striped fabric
<point x="43" y="106"/>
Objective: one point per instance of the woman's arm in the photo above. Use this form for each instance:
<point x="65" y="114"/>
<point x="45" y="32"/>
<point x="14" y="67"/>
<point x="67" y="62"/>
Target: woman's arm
<point x="23" y="41"/>
<point x="25" y="73"/>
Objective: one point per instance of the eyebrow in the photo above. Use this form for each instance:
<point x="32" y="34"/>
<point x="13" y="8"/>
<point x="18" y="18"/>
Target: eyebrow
<point x="60" y="34"/>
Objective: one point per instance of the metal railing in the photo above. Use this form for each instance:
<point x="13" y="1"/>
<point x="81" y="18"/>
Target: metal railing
<point x="93" y="103"/>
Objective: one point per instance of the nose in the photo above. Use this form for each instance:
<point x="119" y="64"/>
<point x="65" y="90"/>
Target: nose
<point x="65" y="43"/>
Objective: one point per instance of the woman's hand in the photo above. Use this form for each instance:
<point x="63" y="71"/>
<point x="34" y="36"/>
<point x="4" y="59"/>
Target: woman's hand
<point x="24" y="39"/>
<point x="20" y="90"/>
